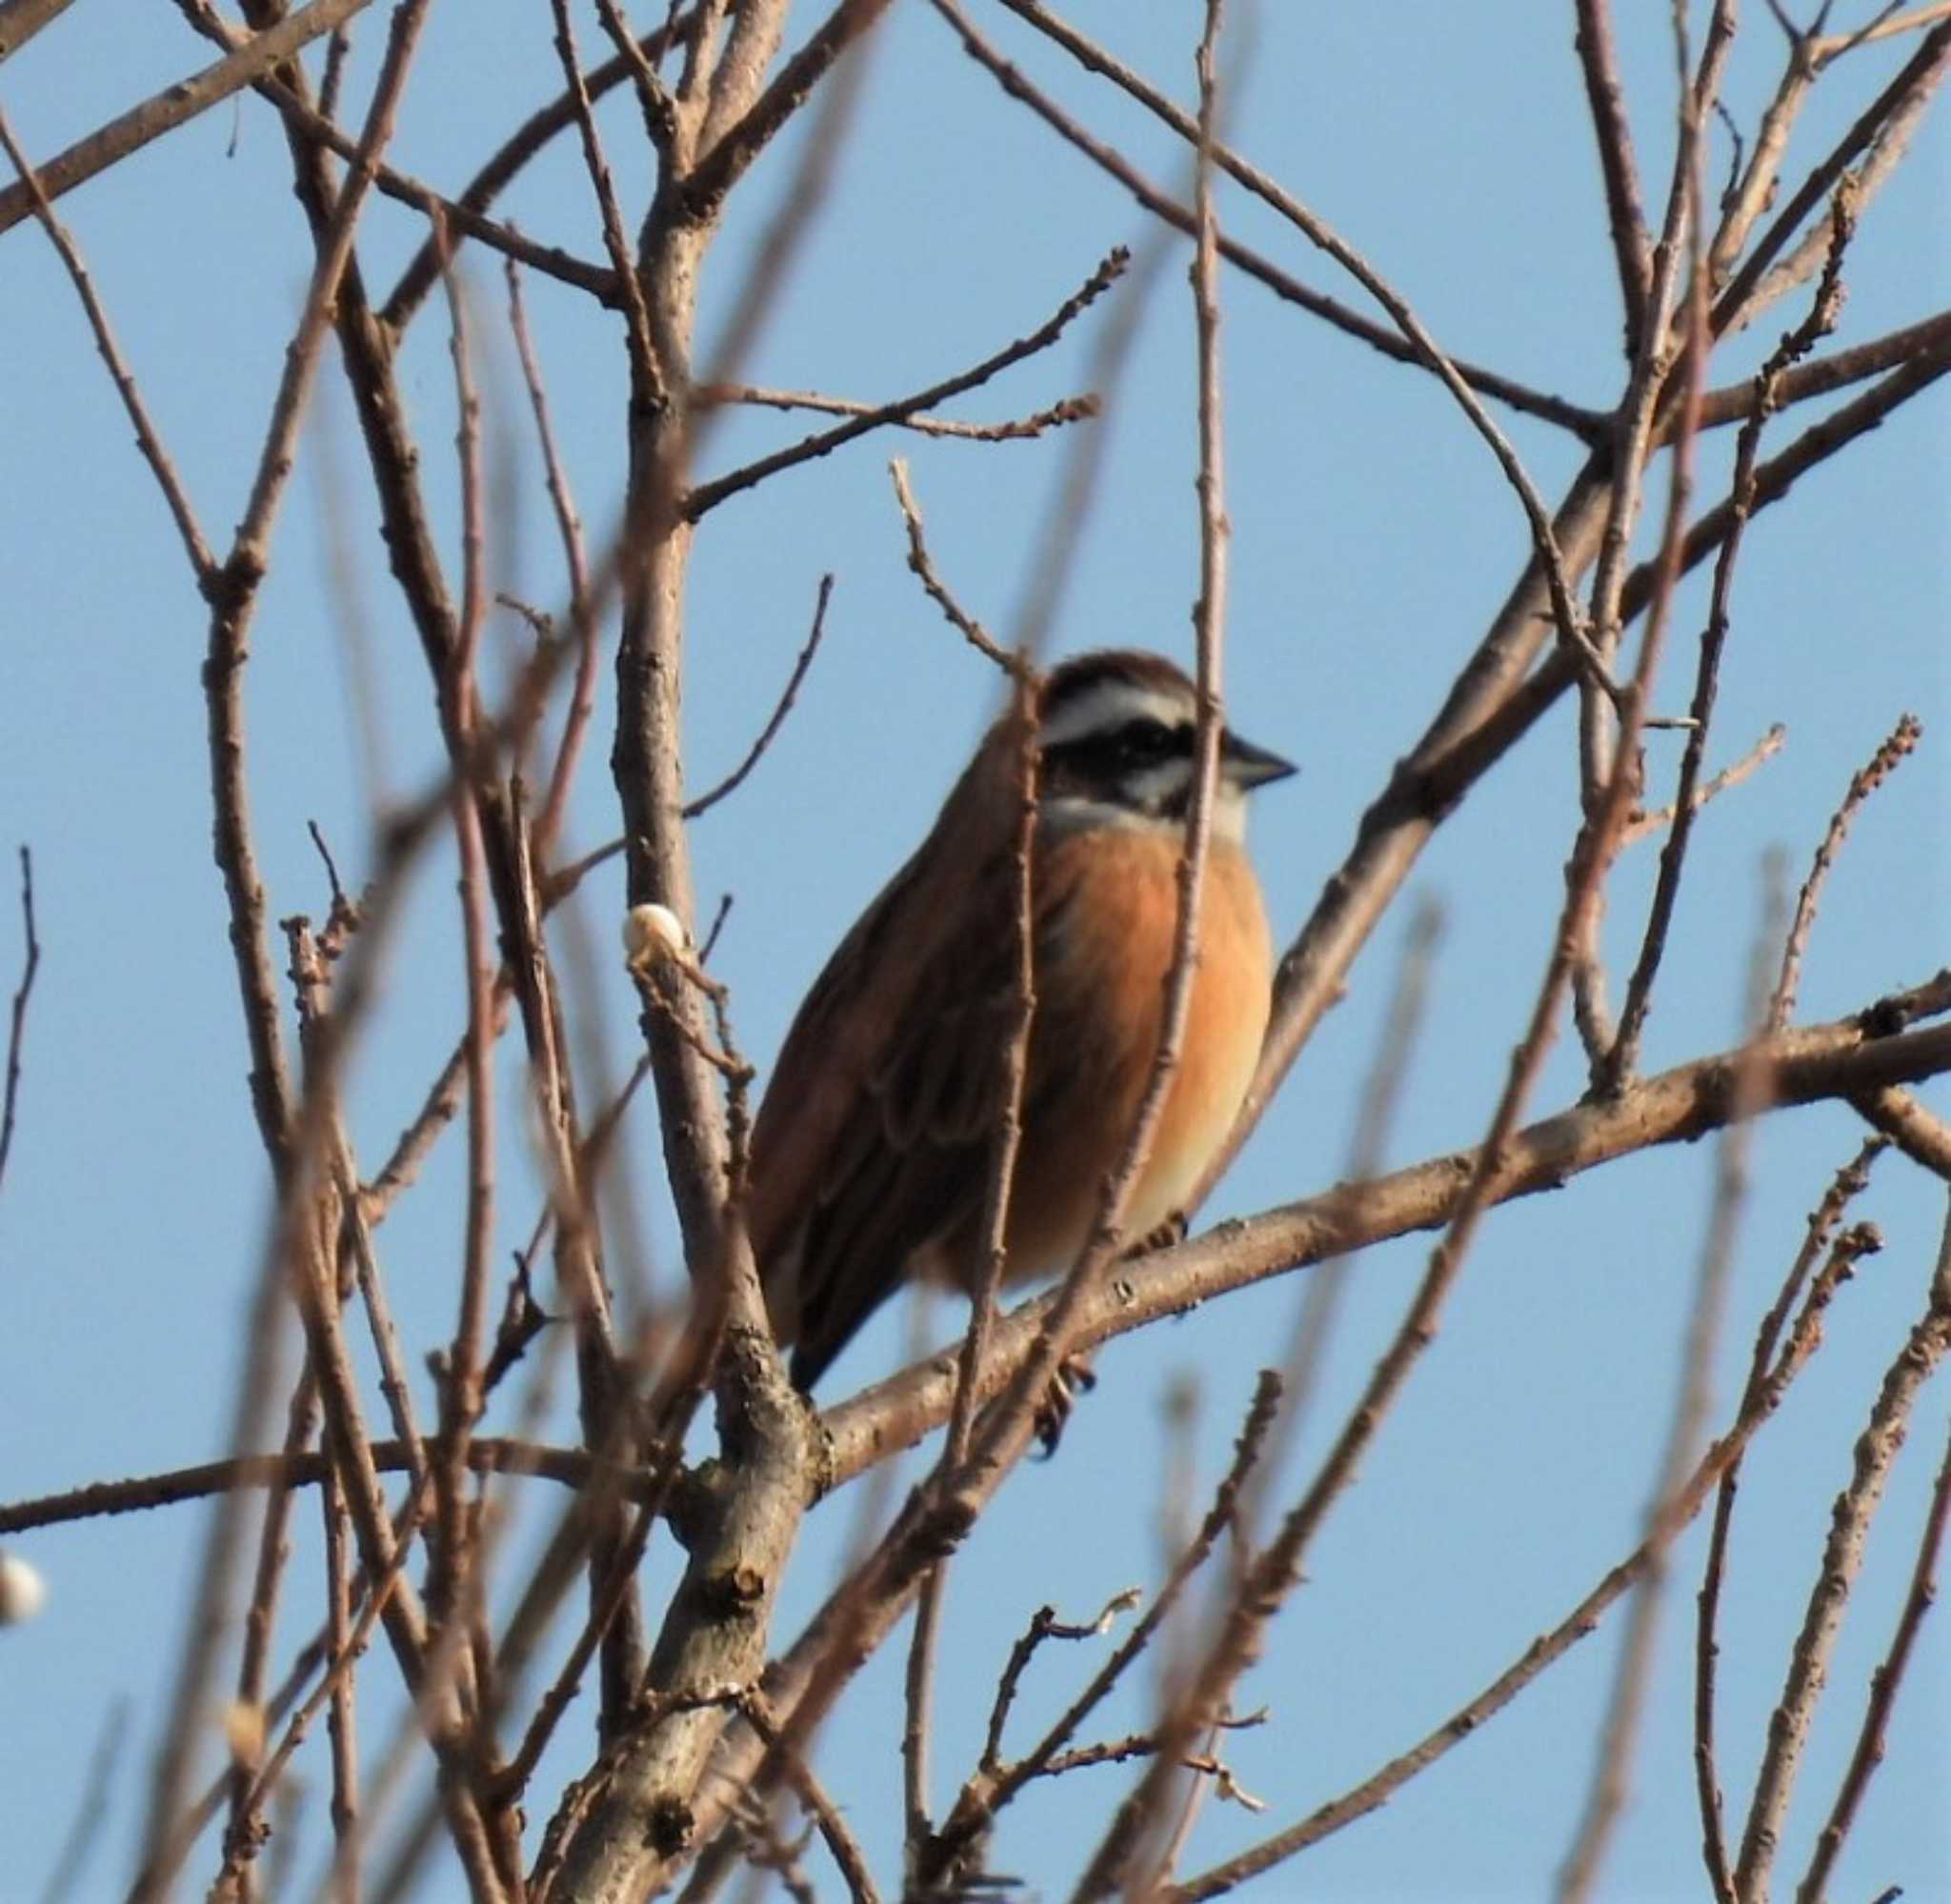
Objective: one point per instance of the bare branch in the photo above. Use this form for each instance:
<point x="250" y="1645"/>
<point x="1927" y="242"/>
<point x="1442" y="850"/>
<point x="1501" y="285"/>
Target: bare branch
<point x="1613" y="134"/>
<point x="1836" y="1061"/>
<point x="721" y="168"/>
<point x="176" y="104"/>
<point x="1317" y="232"/>
<point x="1590" y="426"/>
<point x="1923" y="1139"/>
<point x="644" y="362"/>
<point x="1539" y="1654"/>
<point x="1890" y="115"/>
<point x="20" y="20"/>
<point x="507" y="162"/>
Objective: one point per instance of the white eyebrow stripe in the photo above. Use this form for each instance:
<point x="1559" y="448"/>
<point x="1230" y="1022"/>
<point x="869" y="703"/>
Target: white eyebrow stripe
<point x="1109" y="704"/>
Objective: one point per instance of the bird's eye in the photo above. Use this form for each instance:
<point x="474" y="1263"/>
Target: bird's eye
<point x="1145" y="739"/>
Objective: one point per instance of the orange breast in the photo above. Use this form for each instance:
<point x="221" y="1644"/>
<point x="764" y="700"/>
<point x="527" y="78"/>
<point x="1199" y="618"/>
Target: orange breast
<point x="1107" y="904"/>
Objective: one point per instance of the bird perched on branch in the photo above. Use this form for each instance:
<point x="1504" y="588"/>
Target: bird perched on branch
<point x="872" y="1152"/>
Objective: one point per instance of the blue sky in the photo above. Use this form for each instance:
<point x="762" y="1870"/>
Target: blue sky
<point x="1372" y="538"/>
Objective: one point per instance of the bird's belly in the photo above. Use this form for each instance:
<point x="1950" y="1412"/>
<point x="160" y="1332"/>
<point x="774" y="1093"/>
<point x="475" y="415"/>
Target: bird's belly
<point x="1101" y="994"/>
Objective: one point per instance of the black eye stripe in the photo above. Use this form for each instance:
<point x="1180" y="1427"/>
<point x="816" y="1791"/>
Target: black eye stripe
<point x="1138" y="742"/>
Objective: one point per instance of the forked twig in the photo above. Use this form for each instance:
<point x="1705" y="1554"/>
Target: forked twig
<point x="1788" y="1727"/>
<point x="1537" y="1657"/>
<point x="1618" y="1061"/>
<point x="1884" y="1682"/>
<point x="705" y="496"/>
<point x="1847" y="1185"/>
<point x="1607" y="1795"/>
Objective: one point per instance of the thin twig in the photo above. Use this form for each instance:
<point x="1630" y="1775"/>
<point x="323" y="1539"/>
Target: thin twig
<point x="1130" y="1850"/>
<point x="923" y="566"/>
<point x="148" y="440"/>
<point x="244" y="1832"/>
<point x="1618" y="1061"/>
<point x="1884" y="1682"/>
<point x="1537" y="1657"/>
<point x="316" y="124"/>
<point x="825" y="1815"/>
<point x="1880" y="128"/>
<point x="1848" y="1184"/>
<point x="1610" y="1783"/>
<point x="706" y="496"/>
<point x="731" y="782"/>
<point x="1831" y="46"/>
<point x="1903" y="738"/>
<point x="660" y="109"/>
<point x="17" y="1030"/>
<point x="1876" y="1450"/>
<point x="582" y="698"/>
<point x="342" y="1723"/>
<point x="164" y="1847"/>
<point x="1067" y="410"/>
<point x="1423" y="345"/>
<point x="995" y="1782"/>
<point x="511" y="158"/>
<point x="1759" y="755"/>
<point x="1368" y="1142"/>
<point x="1668" y="372"/>
<point x="643" y="353"/>
<point x="1611" y="132"/>
<point x="1822" y="375"/>
<point x="88" y="1833"/>
<point x="1589" y="426"/>
<point x="1005" y="1142"/>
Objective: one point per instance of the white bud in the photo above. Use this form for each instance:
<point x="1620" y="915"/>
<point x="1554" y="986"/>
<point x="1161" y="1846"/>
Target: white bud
<point x="243" y="1725"/>
<point x="23" y="1592"/>
<point x="651" y="933"/>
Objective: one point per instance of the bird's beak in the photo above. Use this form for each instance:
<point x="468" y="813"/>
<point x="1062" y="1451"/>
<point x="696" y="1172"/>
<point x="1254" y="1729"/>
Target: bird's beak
<point x="1248" y="766"/>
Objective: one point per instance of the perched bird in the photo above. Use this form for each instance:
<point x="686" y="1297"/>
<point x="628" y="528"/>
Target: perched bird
<point x="870" y="1153"/>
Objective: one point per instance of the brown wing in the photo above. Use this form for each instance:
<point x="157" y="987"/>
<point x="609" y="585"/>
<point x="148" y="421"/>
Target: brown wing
<point x="912" y="1167"/>
<point x="873" y="1136"/>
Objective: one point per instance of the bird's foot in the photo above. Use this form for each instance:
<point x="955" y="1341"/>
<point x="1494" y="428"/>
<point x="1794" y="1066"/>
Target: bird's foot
<point x="1166" y="1234"/>
<point x="1074" y="1377"/>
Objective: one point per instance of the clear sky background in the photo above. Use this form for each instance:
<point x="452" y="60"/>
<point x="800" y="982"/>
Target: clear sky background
<point x="1373" y="539"/>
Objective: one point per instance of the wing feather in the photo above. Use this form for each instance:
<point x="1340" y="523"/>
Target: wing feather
<point x="871" y="1137"/>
